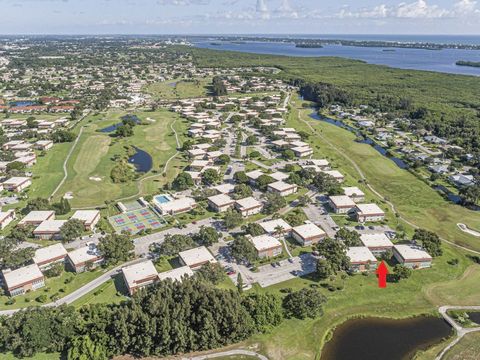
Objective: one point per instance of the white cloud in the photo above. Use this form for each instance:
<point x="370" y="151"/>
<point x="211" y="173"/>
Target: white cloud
<point x="183" y="2"/>
<point x="466" y="8"/>
<point x="420" y="9"/>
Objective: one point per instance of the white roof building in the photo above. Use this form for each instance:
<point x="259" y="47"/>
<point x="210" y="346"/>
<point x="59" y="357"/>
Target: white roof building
<point x="360" y="254"/>
<point x="49" y="254"/>
<point x="139" y="275"/>
<point x="24" y="275"/>
<point x="224" y="188"/>
<point x="270" y="227"/>
<point x="196" y="257"/>
<point x="376" y="241"/>
<point x="176" y="274"/>
<point x="412" y="253"/>
<point x="353" y="192"/>
<point x="265" y="242"/>
<point x="176" y="206"/>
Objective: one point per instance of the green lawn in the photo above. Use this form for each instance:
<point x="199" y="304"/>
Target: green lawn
<point x="91" y="162"/>
<point x="179" y="89"/>
<point x="39" y="356"/>
<point x="111" y="292"/>
<point x="59" y="286"/>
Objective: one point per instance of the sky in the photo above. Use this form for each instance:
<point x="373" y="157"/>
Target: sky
<point x="454" y="17"/>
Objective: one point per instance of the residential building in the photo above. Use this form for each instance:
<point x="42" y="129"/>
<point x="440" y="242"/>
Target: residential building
<point x="139" y="275"/>
<point x="224" y="188"/>
<point x="276" y="227"/>
<point x="49" y="229"/>
<point x="19" y="281"/>
<point x="197" y="257"/>
<point x="220" y="203"/>
<point x="413" y="257"/>
<point x="361" y="259"/>
<point x="6" y="217"/>
<point x="354" y="193"/>
<point x="36" y="217"/>
<point x="337" y="175"/>
<point x="368" y="212"/>
<point x="17" y="184"/>
<point x="302" y="151"/>
<point x="45" y="257"/>
<point x="376" y="243"/>
<point x="266" y="246"/>
<point x="282" y="188"/>
<point x="253" y="176"/>
<point x="43" y="144"/>
<point x="341" y="204"/>
<point x="176" y="274"/>
<point x="84" y="258"/>
<point x="248" y="206"/>
<point x="308" y="234"/>
<point x="90" y="218"/>
<point x="176" y="206"/>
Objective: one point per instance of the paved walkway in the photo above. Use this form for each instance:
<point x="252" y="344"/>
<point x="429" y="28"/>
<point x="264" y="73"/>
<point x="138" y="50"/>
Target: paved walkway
<point x="460" y="331"/>
<point x="227" y="353"/>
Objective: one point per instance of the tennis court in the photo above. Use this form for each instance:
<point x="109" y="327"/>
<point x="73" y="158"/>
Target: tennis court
<point x="136" y="220"/>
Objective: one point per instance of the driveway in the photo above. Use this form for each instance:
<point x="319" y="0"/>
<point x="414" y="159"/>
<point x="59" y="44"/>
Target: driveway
<point x="317" y="214"/>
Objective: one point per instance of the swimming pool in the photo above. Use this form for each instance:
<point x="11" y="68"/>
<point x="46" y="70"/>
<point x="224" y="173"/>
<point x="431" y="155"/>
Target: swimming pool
<point x="162" y="199"/>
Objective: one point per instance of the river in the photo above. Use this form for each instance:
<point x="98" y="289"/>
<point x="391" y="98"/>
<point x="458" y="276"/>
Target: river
<point x="375" y="338"/>
<point x="417" y="59"/>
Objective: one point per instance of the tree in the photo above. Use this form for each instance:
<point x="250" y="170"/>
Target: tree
<point x="124" y="131"/>
<point x="223" y="159"/>
<point x="430" y="241"/>
<point x="242" y="191"/>
<point x="253" y="229"/>
<point x="239" y="283"/>
<point x="240" y="177"/>
<point x="62" y="207"/>
<point x="335" y="253"/>
<point x="116" y="248"/>
<point x="471" y="193"/>
<point x="295" y="217"/>
<point x="243" y="250"/>
<point x="305" y="303"/>
<point x="324" y="270"/>
<point x="173" y="244"/>
<point x="212" y="273"/>
<point x="251" y="140"/>
<point x="210" y="177"/>
<point x="232" y="219"/>
<point x="349" y="237"/>
<point x="207" y="236"/>
<point x="55" y="270"/>
<point x="61" y="136"/>
<point x="21" y="233"/>
<point x="15" y="166"/>
<point x="273" y="203"/>
<point x="289" y="154"/>
<point x="218" y="87"/>
<point x="182" y="182"/>
<point x="263" y="181"/>
<point x="83" y="348"/>
<point x="265" y="310"/>
<point x="401" y="272"/>
<point x="326" y="183"/>
<point x="35" y="205"/>
<point x="72" y="229"/>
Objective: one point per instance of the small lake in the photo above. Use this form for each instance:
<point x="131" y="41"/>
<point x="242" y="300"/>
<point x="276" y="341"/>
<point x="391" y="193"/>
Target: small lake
<point x="375" y="338"/>
<point x="399" y="162"/>
<point x="450" y="195"/>
<point x="23" y="103"/>
<point x="142" y="160"/>
<point x="474" y="316"/>
<point x="114" y="127"/>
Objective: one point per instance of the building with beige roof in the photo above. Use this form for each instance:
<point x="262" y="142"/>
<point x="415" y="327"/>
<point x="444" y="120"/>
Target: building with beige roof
<point x="19" y="281"/>
<point x="266" y="246"/>
<point x="139" y="275"/>
<point x="49" y="255"/>
<point x="308" y="234"/>
<point x="248" y="206"/>
<point x="197" y="257"/>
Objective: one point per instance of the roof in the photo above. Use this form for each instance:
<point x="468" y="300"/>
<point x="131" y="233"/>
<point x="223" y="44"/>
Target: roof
<point x="265" y="242"/>
<point x="16" y="180"/>
<point x="139" y="272"/>
<point x="196" y="256"/>
<point x="278" y="175"/>
<point x="84" y="254"/>
<point x="281" y="186"/>
<point x="342" y="201"/>
<point x="271" y="225"/>
<point x="369" y="209"/>
<point x="6" y="214"/>
<point x="221" y="200"/>
<point x="335" y="173"/>
<point x="308" y="230"/>
<point x="375" y="240"/>
<point x="49" y="226"/>
<point x="411" y="252"/>
<point x="22" y="275"/>
<point x="360" y="254"/>
<point x="224" y="188"/>
<point x="319" y="162"/>
<point x="87" y="216"/>
<point x="248" y="203"/>
<point x="176" y="274"/>
<point x="255" y="174"/>
<point x="48" y="253"/>
<point x="353" y="191"/>
<point x="302" y="149"/>
<point x="177" y="204"/>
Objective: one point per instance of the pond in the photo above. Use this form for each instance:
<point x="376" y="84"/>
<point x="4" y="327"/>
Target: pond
<point x="474" y="316"/>
<point x="450" y="195"/>
<point x="399" y="162"/>
<point x="23" y="103"/>
<point x="142" y="160"/>
<point x="114" y="127"/>
<point x="375" y="338"/>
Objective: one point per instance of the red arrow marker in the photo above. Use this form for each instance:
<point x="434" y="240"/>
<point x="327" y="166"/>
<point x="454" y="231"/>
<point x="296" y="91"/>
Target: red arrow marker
<point x="382" y="272"/>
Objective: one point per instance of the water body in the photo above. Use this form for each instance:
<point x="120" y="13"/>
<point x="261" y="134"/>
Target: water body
<point x="474" y="316"/>
<point x="114" y="127"/>
<point x="23" y="103"/>
<point x="450" y="195"/>
<point x="417" y="59"/>
<point x="142" y="160"/>
<point x="373" y="338"/>
<point x="399" y="162"/>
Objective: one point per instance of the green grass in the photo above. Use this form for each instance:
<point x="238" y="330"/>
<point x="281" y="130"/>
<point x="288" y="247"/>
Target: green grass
<point x="92" y="158"/>
<point x="111" y="292"/>
<point x="53" y="286"/>
<point x="467" y="349"/>
<point x="39" y="356"/>
<point x="182" y="89"/>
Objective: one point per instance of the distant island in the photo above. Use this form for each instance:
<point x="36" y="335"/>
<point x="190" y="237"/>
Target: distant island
<point x="468" y="63"/>
<point x="309" y="46"/>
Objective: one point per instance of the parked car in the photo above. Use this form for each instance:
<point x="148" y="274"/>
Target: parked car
<point x="290" y="260"/>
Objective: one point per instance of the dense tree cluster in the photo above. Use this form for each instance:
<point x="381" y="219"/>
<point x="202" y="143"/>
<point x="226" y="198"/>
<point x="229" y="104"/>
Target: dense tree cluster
<point x="325" y="94"/>
<point x="430" y="241"/>
<point x="218" y="87"/>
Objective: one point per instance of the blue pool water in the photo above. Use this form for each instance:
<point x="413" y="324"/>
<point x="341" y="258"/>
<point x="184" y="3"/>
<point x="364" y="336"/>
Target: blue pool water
<point x="162" y="199"/>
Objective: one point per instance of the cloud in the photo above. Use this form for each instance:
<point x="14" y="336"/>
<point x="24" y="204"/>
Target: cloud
<point x="466" y="7"/>
<point x="420" y="9"/>
<point x="183" y="2"/>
